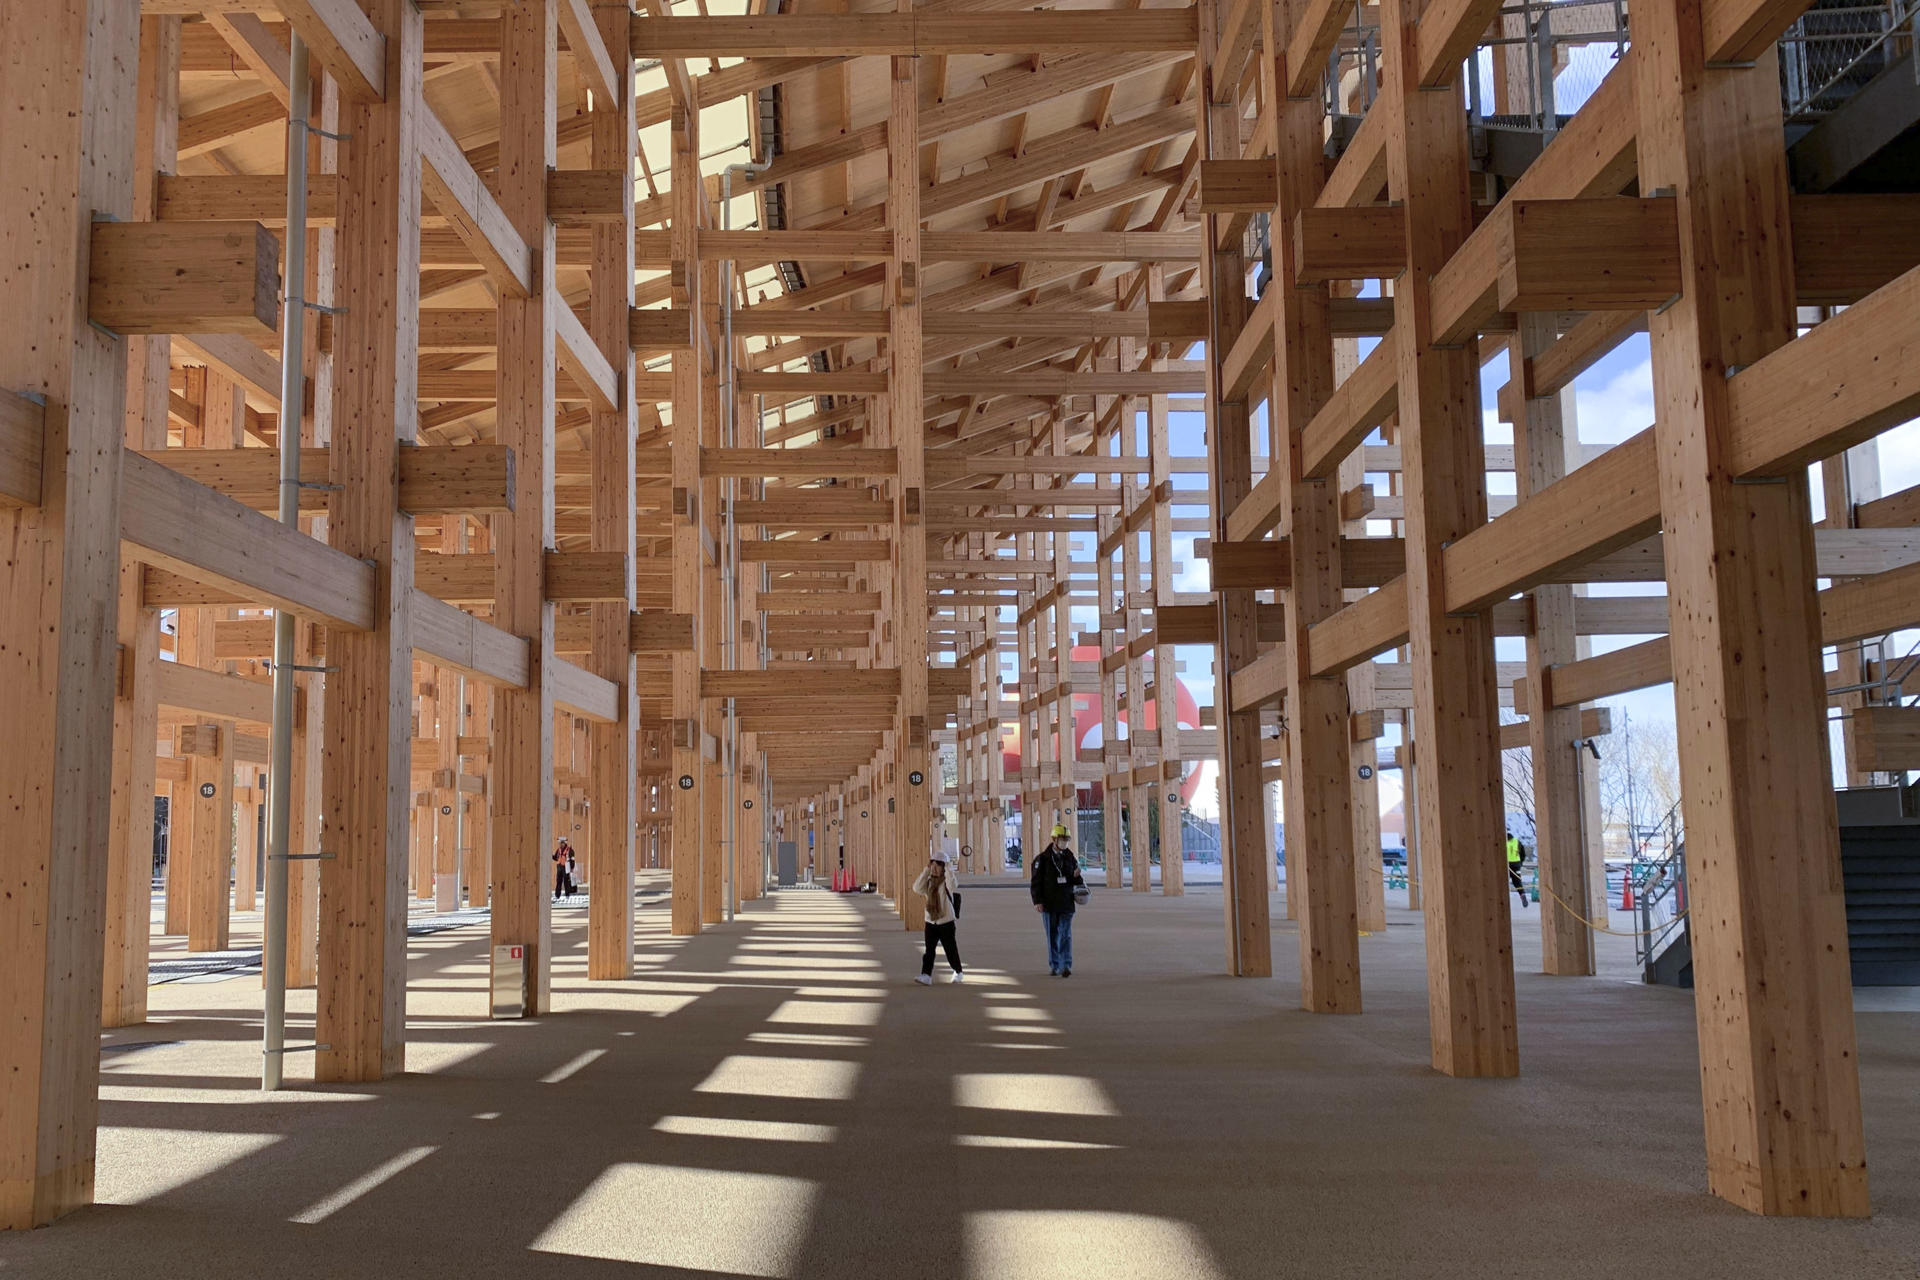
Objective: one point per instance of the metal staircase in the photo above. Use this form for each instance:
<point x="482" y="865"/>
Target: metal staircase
<point x="1658" y="874"/>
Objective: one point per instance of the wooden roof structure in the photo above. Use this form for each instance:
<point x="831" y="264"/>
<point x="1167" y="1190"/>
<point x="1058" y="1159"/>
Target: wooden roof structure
<point x="692" y="401"/>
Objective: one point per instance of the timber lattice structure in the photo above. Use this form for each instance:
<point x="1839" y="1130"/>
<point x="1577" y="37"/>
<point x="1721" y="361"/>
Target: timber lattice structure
<point x="707" y="421"/>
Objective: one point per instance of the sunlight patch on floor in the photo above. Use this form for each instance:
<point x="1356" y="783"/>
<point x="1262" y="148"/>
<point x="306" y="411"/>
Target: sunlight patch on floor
<point x="827" y="1079"/>
<point x="139" y="1164"/>
<point x="733" y="1127"/>
<point x="1033" y="1091"/>
<point x="380" y="1174"/>
<point x="833" y="1013"/>
<point x="1011" y="1143"/>
<point x="1018" y="1013"/>
<point x="572" y="1066"/>
<point x="722" y="1220"/>
<point x="1041" y="1244"/>
<point x="818" y="1039"/>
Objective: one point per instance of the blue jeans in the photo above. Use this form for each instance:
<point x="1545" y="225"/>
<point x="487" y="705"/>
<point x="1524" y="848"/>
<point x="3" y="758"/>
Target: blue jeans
<point x="1059" y="940"/>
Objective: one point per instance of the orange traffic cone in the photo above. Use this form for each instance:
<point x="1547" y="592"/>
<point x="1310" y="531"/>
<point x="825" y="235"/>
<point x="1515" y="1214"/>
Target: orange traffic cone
<point x="1626" y="891"/>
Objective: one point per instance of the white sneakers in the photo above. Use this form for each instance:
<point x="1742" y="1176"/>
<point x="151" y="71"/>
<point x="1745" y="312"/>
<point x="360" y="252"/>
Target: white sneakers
<point x="959" y="976"/>
<point x="925" y="979"/>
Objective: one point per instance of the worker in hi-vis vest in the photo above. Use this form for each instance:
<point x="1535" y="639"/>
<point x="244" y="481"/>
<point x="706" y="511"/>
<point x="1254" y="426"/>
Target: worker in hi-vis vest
<point x="1515" y="855"/>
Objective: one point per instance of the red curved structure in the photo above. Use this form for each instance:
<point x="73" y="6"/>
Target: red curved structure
<point x="1086" y="720"/>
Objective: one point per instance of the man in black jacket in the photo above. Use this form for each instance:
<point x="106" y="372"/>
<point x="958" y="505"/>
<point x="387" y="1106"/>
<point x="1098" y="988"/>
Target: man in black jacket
<point x="1056" y="874"/>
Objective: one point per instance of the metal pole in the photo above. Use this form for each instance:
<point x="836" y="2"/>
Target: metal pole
<point x="273" y="959"/>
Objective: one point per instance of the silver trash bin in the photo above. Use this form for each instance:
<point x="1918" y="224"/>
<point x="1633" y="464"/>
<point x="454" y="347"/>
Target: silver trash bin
<point x="509" y="981"/>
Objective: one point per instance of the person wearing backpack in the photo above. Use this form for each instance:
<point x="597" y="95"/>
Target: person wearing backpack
<point x="1057" y="887"/>
<point x="942" y="916"/>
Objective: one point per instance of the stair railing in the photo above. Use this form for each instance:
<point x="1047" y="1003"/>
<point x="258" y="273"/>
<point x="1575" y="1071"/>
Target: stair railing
<point x="1657" y="870"/>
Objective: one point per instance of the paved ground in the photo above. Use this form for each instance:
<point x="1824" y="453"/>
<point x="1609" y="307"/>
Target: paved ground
<point x="776" y="1098"/>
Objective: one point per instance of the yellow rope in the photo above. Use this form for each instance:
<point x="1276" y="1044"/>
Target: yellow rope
<point x="1600" y="928"/>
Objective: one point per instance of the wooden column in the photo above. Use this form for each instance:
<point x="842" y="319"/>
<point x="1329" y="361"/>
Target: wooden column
<point x="135" y="714"/>
<point x="450" y="685"/>
<point x="1455" y="702"/>
<point x="1143" y="753"/>
<point x="303" y="831"/>
<point x="685" y="831"/>
<point x="1369" y="870"/>
<point x="1318" y="794"/>
<point x="426" y="714"/>
<point x="1847" y="480"/>
<point x="198" y="827"/>
<point x="1244" y="852"/>
<point x="914" y="786"/>
<point x="309" y="744"/>
<point x="523" y="737"/>
<point x="1166" y="680"/>
<point x="67" y="97"/>
<point x="1772" y="993"/>
<point x="610" y="462"/>
<point x="712" y="640"/>
<point x="365" y="769"/>
<point x="478" y="869"/>
<point x="247" y="794"/>
<point x="1113" y="680"/>
<point x="1540" y="458"/>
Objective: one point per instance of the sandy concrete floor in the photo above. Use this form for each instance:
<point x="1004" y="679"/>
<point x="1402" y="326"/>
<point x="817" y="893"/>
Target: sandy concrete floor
<point x="777" y="1098"/>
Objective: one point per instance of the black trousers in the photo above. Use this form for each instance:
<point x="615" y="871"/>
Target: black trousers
<point x="942" y="935"/>
<point x="1513" y="874"/>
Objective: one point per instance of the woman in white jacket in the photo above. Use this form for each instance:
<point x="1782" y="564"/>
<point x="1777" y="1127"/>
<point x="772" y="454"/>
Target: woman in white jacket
<point x="943" y="914"/>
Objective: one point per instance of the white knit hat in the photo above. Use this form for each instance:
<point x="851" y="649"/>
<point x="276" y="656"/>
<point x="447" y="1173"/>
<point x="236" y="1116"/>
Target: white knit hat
<point x="941" y="855"/>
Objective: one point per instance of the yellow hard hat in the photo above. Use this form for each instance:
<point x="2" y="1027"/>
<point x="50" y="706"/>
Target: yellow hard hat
<point x="1059" y="829"/>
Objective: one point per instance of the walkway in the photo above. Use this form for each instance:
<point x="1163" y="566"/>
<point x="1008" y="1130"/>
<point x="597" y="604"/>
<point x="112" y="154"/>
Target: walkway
<point x="776" y="1098"/>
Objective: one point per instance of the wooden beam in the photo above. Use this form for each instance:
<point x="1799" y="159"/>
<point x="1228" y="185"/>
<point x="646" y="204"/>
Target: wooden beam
<point x="457" y="192"/>
<point x="1886" y="739"/>
<point x="209" y="693"/>
<point x="472" y="479"/>
<point x="805" y="551"/>
<point x="1873" y="606"/>
<point x="192" y="531"/>
<point x="590" y="54"/>
<point x="1060" y="246"/>
<point x="1610" y="503"/>
<point x="583" y="693"/>
<point x="1348" y="244"/>
<point x="1064" y="383"/>
<point x="787" y="387"/>
<point x="582" y="360"/>
<point x="797" y="687"/>
<point x="345" y="42"/>
<point x="455" y="639"/>
<point x="209" y="277"/>
<point x="1236" y="186"/>
<point x="1607" y="253"/>
<point x="912" y="34"/>
<point x="1847" y="380"/>
<point x="1356" y="407"/>
<point x="798" y="464"/>
<point x="22" y="430"/>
